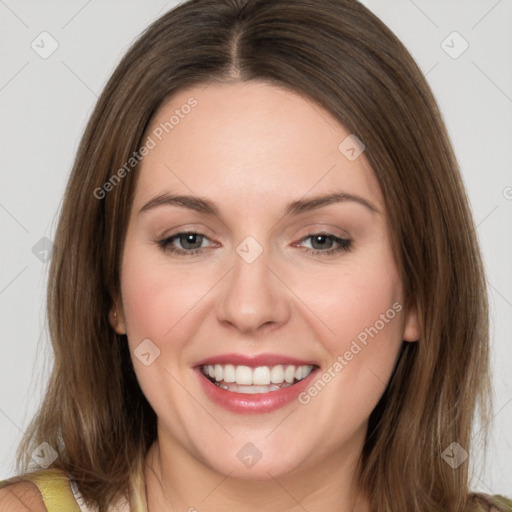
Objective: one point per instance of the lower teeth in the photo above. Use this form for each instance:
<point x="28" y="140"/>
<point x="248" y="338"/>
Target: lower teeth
<point x="251" y="390"/>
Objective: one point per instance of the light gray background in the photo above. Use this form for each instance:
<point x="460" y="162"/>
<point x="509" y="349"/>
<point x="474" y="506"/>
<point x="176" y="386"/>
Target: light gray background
<point x="44" y="105"/>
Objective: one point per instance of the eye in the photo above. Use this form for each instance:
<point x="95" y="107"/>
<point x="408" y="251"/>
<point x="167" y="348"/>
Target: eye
<point x="190" y="241"/>
<point x="324" y="244"/>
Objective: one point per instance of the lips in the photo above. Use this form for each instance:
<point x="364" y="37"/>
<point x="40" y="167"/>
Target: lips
<point x="254" y="384"/>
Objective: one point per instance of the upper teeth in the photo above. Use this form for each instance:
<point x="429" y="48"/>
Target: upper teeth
<point x="261" y="375"/>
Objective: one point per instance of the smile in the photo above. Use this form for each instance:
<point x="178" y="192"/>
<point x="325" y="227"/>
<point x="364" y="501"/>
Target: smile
<point x="262" y="379"/>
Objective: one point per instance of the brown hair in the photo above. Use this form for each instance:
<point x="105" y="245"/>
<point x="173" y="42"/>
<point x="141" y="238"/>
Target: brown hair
<point x="340" y="55"/>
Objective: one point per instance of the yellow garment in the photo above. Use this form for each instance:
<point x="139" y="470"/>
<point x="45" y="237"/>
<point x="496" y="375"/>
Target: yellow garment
<point x="57" y="494"/>
<point x="493" y="503"/>
<point x="55" y="489"/>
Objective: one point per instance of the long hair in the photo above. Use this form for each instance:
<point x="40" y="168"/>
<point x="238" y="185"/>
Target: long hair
<point x="340" y="55"/>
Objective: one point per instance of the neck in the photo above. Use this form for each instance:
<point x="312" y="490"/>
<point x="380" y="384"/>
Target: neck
<point x="178" y="481"/>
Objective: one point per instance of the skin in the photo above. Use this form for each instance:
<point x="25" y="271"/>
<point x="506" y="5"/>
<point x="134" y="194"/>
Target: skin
<point x="252" y="148"/>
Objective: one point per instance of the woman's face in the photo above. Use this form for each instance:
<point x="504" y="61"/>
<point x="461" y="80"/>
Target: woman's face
<point x="270" y="276"/>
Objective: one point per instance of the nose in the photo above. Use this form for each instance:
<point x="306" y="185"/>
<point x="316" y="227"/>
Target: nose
<point x="254" y="297"/>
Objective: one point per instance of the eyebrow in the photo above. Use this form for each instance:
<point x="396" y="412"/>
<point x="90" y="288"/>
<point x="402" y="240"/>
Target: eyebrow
<point x="207" y="207"/>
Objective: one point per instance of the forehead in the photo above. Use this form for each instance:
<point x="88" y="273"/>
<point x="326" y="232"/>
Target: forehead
<point x="250" y="141"/>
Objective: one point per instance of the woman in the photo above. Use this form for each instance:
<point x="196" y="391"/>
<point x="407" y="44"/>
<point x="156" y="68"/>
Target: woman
<point x="266" y="292"/>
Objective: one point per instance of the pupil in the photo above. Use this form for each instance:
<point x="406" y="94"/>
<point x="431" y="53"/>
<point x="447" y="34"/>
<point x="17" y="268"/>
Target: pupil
<point x="189" y="238"/>
<point x="318" y="238"/>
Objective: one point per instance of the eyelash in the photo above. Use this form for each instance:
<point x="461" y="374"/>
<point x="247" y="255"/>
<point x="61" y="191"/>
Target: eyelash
<point x="344" y="245"/>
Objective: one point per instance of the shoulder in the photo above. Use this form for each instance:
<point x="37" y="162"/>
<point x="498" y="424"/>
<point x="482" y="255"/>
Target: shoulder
<point x="38" y="491"/>
<point x="481" y="502"/>
<point x="21" y="497"/>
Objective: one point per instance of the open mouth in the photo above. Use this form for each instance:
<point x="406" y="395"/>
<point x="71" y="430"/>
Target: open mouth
<point x="261" y="379"/>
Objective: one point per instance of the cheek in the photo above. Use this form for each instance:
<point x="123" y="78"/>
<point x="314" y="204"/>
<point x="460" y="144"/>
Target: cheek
<point x="159" y="304"/>
<point x="359" y="318"/>
<point x="362" y="355"/>
<point x="365" y="306"/>
<point x="156" y="298"/>
<point x="355" y="300"/>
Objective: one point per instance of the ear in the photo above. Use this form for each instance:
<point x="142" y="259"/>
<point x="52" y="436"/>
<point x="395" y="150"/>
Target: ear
<point x="116" y="318"/>
<point x="411" y="326"/>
